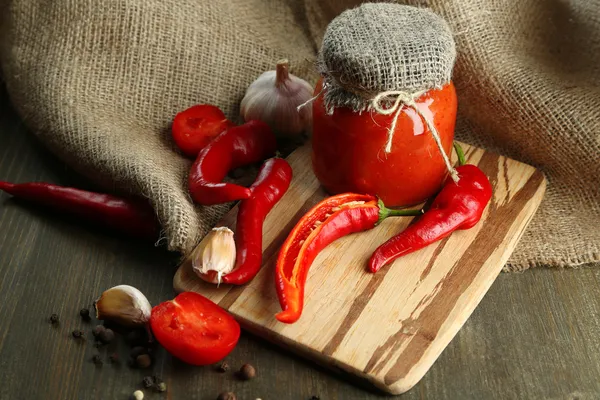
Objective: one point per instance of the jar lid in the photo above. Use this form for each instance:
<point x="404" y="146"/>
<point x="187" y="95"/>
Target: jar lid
<point x="381" y="47"/>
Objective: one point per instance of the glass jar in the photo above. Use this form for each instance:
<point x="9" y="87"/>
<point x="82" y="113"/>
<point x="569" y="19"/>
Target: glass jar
<point x="349" y="149"/>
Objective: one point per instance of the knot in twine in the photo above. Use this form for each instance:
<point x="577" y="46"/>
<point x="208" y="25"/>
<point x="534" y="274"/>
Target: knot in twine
<point x="402" y="99"/>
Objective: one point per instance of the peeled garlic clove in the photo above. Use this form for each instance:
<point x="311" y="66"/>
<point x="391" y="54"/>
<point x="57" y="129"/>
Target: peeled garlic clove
<point x="274" y="99"/>
<point x="123" y="304"/>
<point x="215" y="255"/>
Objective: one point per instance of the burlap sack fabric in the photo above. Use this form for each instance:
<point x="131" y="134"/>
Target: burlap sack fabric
<point x="99" y="81"/>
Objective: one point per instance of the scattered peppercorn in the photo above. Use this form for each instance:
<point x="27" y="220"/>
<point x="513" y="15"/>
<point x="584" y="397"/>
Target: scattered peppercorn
<point x="137" y="337"/>
<point x="137" y="395"/>
<point x="315" y="398"/>
<point x="247" y="372"/>
<point x="223" y="367"/>
<point x="133" y="336"/>
<point x="227" y="396"/>
<point x="97" y="360"/>
<point x="107" y="335"/>
<point x="114" y="358"/>
<point x="85" y="314"/>
<point x="137" y="351"/>
<point x="97" y="330"/>
<point x="77" y="334"/>
<point x="54" y="319"/>
<point x="143" y="361"/>
<point x="161" y="387"/>
<point x="148" y="382"/>
<point x="156" y="379"/>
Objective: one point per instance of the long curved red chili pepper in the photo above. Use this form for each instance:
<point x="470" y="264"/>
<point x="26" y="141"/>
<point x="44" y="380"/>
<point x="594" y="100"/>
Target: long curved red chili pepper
<point x="238" y="146"/>
<point x="457" y="206"/>
<point x="271" y="184"/>
<point x="130" y="216"/>
<point x="326" y="222"/>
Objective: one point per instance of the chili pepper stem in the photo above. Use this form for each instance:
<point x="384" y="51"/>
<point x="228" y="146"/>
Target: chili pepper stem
<point x="460" y="153"/>
<point x="385" y="212"/>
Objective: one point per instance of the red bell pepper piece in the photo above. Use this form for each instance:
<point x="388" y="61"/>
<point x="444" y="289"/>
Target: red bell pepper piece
<point x="326" y="222"/>
<point x="271" y="184"/>
<point x="238" y="146"/>
<point x="133" y="217"/>
<point x="457" y="206"/>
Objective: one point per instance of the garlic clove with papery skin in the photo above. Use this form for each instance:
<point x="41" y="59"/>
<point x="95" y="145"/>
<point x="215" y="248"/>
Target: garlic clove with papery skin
<point x="215" y="255"/>
<point x="274" y="98"/>
<point x="123" y="304"/>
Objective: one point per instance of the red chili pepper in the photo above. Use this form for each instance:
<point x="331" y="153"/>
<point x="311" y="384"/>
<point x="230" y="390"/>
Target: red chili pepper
<point x="133" y="217"/>
<point x="457" y="206"/>
<point x="271" y="184"/>
<point x="238" y="146"/>
<point x="326" y="222"/>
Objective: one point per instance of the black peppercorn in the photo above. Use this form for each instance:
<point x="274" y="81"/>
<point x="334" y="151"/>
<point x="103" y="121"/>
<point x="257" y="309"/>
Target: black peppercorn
<point x="315" y="398"/>
<point x="136" y="337"/>
<point x="143" y="361"/>
<point x="106" y="336"/>
<point x="223" y="367"/>
<point x="148" y="382"/>
<point x="227" y="396"/>
<point x="247" y="372"/>
<point x="138" y="351"/>
<point x="97" y="360"/>
<point x="85" y="314"/>
<point x="133" y="336"/>
<point x="54" y="319"/>
<point x="97" y="330"/>
<point x="77" y="334"/>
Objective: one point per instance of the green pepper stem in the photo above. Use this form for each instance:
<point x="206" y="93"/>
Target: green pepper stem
<point x="385" y="212"/>
<point x="460" y="153"/>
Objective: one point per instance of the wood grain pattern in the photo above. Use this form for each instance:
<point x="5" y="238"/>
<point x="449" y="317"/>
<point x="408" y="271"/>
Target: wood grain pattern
<point x="386" y="328"/>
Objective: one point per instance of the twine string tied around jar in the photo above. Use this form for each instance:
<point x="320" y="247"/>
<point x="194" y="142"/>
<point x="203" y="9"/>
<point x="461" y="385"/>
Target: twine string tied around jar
<point x="401" y="99"/>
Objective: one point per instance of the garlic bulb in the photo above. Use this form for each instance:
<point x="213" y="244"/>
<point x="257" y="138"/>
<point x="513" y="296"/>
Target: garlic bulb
<point x="124" y="304"/>
<point x="215" y="255"/>
<point x="274" y="99"/>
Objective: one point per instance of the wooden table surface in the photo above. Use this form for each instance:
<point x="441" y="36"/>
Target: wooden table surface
<point x="535" y="335"/>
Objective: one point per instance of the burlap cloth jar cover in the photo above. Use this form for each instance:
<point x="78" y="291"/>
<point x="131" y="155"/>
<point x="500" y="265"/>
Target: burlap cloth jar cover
<point x="99" y="81"/>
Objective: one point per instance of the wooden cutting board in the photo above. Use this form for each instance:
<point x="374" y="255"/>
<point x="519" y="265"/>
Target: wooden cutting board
<point x="387" y="328"/>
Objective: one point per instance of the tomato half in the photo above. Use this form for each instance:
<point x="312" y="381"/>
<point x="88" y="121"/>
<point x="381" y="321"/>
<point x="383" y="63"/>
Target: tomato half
<point x="195" y="127"/>
<point x="194" y="329"/>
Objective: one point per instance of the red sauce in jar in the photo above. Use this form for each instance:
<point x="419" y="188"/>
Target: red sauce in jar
<point x="349" y="149"/>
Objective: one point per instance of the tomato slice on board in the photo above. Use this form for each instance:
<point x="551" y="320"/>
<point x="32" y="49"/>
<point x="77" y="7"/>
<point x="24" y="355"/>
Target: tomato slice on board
<point x="194" y="329"/>
<point x="195" y="127"/>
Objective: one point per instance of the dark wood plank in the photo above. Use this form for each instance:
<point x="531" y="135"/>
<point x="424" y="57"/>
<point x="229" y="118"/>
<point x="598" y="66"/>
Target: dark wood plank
<point x="535" y="335"/>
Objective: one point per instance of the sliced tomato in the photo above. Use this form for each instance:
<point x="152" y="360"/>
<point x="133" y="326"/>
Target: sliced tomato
<point x="195" y="127"/>
<point x="194" y="329"/>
